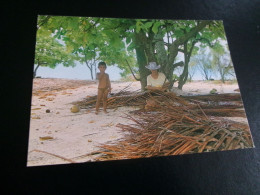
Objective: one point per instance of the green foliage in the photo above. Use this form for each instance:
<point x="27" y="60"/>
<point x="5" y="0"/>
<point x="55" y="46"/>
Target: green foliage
<point x="222" y="62"/>
<point x="203" y="62"/>
<point x="112" y="39"/>
<point x="49" y="52"/>
<point x="138" y="26"/>
<point x="155" y="27"/>
<point x="175" y="77"/>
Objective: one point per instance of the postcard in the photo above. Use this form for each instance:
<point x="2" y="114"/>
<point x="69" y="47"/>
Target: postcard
<point x="117" y="88"/>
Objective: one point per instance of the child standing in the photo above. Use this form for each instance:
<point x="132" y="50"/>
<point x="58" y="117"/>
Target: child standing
<point x="104" y="86"/>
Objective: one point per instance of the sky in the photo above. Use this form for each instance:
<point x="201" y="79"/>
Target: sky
<point x="80" y="71"/>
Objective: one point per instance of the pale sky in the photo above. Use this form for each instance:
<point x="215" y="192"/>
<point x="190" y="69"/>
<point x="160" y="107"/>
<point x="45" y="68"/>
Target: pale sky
<point x="80" y="71"/>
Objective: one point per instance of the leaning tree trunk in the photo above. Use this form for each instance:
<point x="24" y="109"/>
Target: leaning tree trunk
<point x="95" y="67"/>
<point x="187" y="55"/>
<point x="184" y="75"/>
<point x="35" y="70"/>
<point x="173" y="48"/>
<point x="90" y="65"/>
<point x="221" y="71"/>
<point x="91" y="73"/>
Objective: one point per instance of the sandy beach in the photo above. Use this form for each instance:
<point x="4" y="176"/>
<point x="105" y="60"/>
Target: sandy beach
<point x="58" y="136"/>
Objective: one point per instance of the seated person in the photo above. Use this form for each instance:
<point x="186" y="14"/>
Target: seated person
<point x="156" y="80"/>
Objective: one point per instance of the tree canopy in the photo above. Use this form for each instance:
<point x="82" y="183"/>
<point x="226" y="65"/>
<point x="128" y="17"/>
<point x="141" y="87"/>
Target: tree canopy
<point x="130" y="44"/>
<point x="49" y="51"/>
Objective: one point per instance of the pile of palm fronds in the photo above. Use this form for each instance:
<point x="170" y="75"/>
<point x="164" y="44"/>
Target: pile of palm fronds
<point x="167" y="124"/>
<point x="213" y="105"/>
<point x="171" y="125"/>
<point x="122" y="98"/>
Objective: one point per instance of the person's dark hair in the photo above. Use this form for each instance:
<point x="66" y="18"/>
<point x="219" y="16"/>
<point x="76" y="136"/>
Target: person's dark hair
<point x="102" y="64"/>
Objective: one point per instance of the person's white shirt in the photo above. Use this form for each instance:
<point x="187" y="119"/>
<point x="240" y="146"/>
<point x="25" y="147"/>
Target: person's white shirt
<point x="156" y="82"/>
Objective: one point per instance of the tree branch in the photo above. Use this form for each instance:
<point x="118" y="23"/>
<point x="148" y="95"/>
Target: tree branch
<point x="205" y="39"/>
<point x="190" y="34"/>
<point x="132" y="71"/>
<point x="192" y="46"/>
<point x="181" y="63"/>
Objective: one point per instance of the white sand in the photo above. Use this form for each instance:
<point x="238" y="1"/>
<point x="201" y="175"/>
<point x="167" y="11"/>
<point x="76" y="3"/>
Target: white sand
<point x="73" y="135"/>
<point x="203" y="88"/>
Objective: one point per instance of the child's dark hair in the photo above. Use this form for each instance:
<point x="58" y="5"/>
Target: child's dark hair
<point x="102" y="64"/>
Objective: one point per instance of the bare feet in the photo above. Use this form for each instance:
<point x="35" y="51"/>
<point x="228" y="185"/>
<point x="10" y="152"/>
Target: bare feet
<point x="105" y="111"/>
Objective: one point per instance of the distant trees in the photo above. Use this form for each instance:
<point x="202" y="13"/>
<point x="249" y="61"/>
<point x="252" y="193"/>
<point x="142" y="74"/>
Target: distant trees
<point x="222" y="62"/>
<point x="48" y="50"/>
<point x="192" y="71"/>
<point x="208" y="37"/>
<point x="214" y="63"/>
<point x="204" y="64"/>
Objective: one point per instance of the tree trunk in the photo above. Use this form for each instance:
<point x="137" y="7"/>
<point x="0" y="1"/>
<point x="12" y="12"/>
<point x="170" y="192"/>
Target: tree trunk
<point x="173" y="48"/>
<point x="206" y="75"/>
<point x="35" y="70"/>
<point x="141" y="60"/>
<point x="187" y="55"/>
<point x="221" y="71"/>
<point x="90" y="67"/>
<point x="149" y="46"/>
<point x="184" y="75"/>
<point x="161" y="53"/>
<point x="145" y="51"/>
<point x="222" y="74"/>
<point x="91" y="71"/>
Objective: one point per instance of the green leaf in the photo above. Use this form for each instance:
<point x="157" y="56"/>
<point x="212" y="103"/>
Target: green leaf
<point x="132" y="27"/>
<point x="155" y="27"/>
<point x="178" y="33"/>
<point x="138" y="26"/>
<point x="148" y="24"/>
